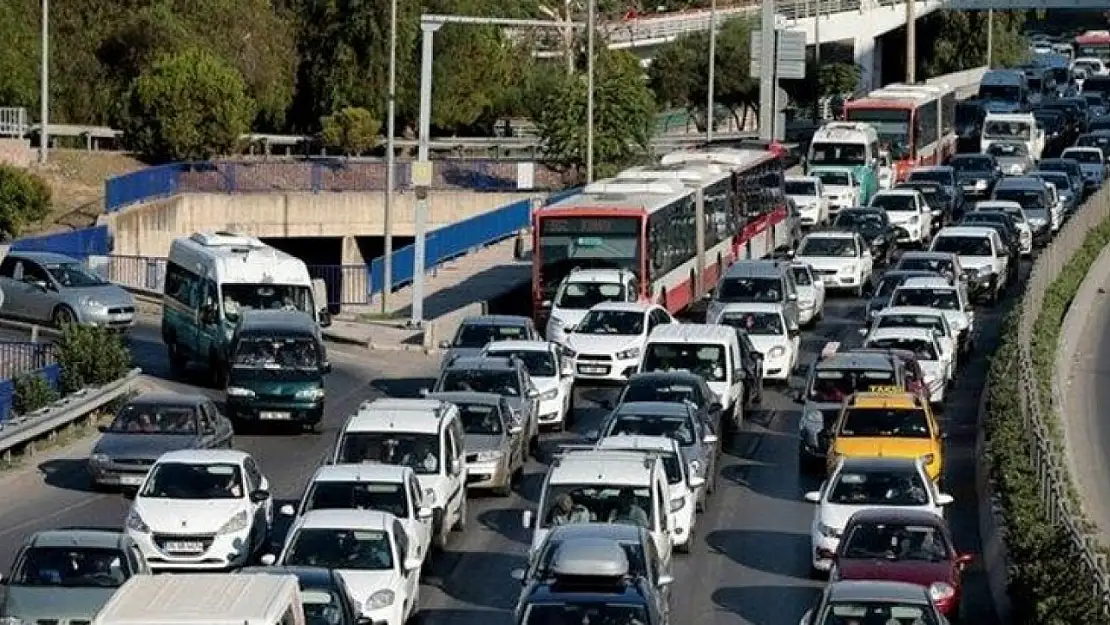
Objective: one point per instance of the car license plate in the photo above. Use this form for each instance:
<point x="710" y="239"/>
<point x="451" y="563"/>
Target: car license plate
<point x="185" y="547"/>
<point x="130" y="480"/>
<point x="593" y="370"/>
<point x="829" y="279"/>
<point x="274" y="416"/>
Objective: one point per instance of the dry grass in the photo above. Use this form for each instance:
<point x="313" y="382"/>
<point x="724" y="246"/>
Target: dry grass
<point x="76" y="179"/>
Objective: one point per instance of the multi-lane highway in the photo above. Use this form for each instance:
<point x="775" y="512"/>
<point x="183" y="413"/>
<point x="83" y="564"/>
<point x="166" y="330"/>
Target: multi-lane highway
<point x="750" y="563"/>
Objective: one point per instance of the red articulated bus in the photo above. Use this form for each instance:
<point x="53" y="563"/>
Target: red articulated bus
<point x="915" y="122"/>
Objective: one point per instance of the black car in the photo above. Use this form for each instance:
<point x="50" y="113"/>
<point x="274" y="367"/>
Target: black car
<point x="324" y="595"/>
<point x="873" y="224"/>
<point x="1099" y="123"/>
<point x="976" y="173"/>
<point x="944" y="175"/>
<point x="939" y="198"/>
<point x="1077" y="116"/>
<point x="1067" y="165"/>
<point x="1007" y="231"/>
<point x="969" y="125"/>
<point x="672" y="387"/>
<point x="1054" y="124"/>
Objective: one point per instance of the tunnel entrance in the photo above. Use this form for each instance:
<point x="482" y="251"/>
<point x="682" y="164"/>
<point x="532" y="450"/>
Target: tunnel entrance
<point x="323" y="255"/>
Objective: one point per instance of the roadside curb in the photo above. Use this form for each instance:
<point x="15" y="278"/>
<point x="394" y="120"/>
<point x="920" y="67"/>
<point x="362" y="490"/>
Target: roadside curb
<point x="377" y="347"/>
<point x="992" y="528"/>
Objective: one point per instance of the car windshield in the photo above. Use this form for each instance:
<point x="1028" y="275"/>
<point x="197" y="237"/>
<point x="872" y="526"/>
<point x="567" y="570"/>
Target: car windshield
<point x="801" y="187"/>
<point x="865" y="221"/>
<point x="894" y="202"/>
<point x="939" y="266"/>
<point x="240" y="297"/>
<point x="835" y="178"/>
<point x="478" y="335"/>
<point x="750" y="290"/>
<point x="885" y="422"/>
<point x="1084" y="156"/>
<point x="322" y="606"/>
<point x="276" y="353"/>
<point x="1060" y="179"/>
<point x="480" y="381"/>
<point x="895" y="542"/>
<point x="708" y="361"/>
<point x="755" y="323"/>
<point x="865" y="613"/>
<point x="802" y="276"/>
<point x="879" y="488"/>
<point x="620" y="322"/>
<point x="1006" y="130"/>
<point x="384" y="496"/>
<point x="586" y="295"/>
<point x="887" y="285"/>
<point x="931" y="175"/>
<point x="822" y="153"/>
<point x="963" y="245"/>
<point x="637" y="565"/>
<point x="482" y="419"/>
<point x="972" y="164"/>
<point x="144" y="418"/>
<point x="922" y="349"/>
<point x="828" y="246"/>
<point x="571" y="612"/>
<point x="652" y="390"/>
<point x="568" y="504"/>
<point x="679" y="428"/>
<point x="73" y="275"/>
<point x="341" y="549"/>
<point x="71" y="567"/>
<point x="941" y="299"/>
<point x="419" y="451"/>
<point x="833" y="385"/>
<point x="898" y="320"/>
<point x="1024" y="197"/>
<point x="538" y="363"/>
<point x="1036" y="214"/>
<point x="181" y="480"/>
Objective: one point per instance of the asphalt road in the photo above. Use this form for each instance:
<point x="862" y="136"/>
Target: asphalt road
<point x="750" y="563"/>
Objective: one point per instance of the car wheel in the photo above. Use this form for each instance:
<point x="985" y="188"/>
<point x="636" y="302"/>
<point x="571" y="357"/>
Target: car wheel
<point x="63" y="315"/>
<point x="460" y="525"/>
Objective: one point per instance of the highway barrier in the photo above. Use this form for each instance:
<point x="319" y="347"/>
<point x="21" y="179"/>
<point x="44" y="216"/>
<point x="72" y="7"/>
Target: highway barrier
<point x="1054" y="560"/>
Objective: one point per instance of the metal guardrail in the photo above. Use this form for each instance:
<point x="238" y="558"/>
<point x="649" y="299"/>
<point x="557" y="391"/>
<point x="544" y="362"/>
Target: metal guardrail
<point x="1049" y="460"/>
<point x="19" y="357"/>
<point x="13" y="122"/>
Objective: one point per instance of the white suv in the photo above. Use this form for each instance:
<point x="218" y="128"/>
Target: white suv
<point x="583" y="289"/>
<point x="808" y="194"/>
<point x="607" y="345"/>
<point x="841" y="258"/>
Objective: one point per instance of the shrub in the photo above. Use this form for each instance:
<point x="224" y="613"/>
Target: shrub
<point x="351" y="130"/>
<point x="32" y="392"/>
<point x="90" y="356"/>
<point x="24" y="200"/>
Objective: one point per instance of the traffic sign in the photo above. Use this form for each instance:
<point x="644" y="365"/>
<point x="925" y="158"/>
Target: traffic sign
<point x="790" y="54"/>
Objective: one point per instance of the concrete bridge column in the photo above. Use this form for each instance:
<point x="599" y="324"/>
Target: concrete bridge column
<point x="865" y="55"/>
<point x="354" y="279"/>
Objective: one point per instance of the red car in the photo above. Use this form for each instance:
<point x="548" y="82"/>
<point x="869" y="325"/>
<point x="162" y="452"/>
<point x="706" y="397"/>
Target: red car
<point x="911" y="546"/>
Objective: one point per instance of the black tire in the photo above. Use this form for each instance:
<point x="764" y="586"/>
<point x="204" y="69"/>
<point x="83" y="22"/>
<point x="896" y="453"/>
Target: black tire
<point x="62" y="316"/>
<point x="218" y="371"/>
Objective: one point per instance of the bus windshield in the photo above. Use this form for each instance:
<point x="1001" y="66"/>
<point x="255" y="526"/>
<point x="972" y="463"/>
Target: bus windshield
<point x="239" y="297"/>
<point x="1004" y="93"/>
<point x="567" y="243"/>
<point x="838" y="154"/>
<point x="892" y="125"/>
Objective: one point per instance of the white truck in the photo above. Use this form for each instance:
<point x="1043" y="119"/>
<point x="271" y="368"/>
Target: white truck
<point x="1013" y="127"/>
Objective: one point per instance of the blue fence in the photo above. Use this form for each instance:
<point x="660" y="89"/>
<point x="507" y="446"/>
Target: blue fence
<point x="21" y="358"/>
<point x="79" y="244"/>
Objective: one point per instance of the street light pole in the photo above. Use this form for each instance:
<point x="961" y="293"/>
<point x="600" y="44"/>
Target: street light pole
<point x="44" y="84"/>
<point x="591" y="16"/>
<point x="390" y="161"/>
<point x="710" y="97"/>
<point x="990" y="37"/>
<point x="911" y="41"/>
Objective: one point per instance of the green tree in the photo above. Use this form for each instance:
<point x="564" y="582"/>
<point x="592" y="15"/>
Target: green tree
<point x="32" y="392"/>
<point x="19" y="56"/>
<point x="191" y="105"/>
<point x="24" y="200"/>
<point x="624" y="116"/>
<point x="90" y="356"/>
<point x="352" y="130"/>
<point x="960" y="40"/>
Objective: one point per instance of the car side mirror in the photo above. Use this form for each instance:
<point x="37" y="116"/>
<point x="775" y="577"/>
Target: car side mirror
<point x="325" y="367"/>
<point x="806" y="618"/>
<point x="533" y="393"/>
<point x="456" y="466"/>
<point x="716" y="407"/>
<point x="515" y="430"/>
<point x="412" y="564"/>
<point x="325" y="317"/>
<point x="863" y="331"/>
<point x="545" y="303"/>
<point x="695" y="481"/>
<point x="425" y="392"/>
<point x="41" y="285"/>
<point x="945" y="499"/>
<point x="592" y="435"/>
<point x="710" y="439"/>
<point x="287" y="510"/>
<point x="664" y="580"/>
<point x="526" y="519"/>
<point x="813" y="496"/>
<point x="969" y="308"/>
<point x="964" y="559"/>
<point x="102" y="428"/>
<point x="260" y="495"/>
<point x="793" y="332"/>
<point x="789" y="253"/>
<point x="518" y="574"/>
<point x="792" y="297"/>
<point x="268" y="559"/>
<point x="424" y="514"/>
<point x="445" y="344"/>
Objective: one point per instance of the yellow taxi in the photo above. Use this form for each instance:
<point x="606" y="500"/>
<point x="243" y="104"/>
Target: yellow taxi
<point x="889" y="423"/>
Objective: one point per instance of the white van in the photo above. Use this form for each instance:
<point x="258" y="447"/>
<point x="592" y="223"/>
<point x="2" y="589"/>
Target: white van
<point x="710" y="351"/>
<point x="425" y="434"/>
<point x="1013" y="127"/>
<point x="211" y="278"/>
<point x="598" y="484"/>
<point x="205" y="599"/>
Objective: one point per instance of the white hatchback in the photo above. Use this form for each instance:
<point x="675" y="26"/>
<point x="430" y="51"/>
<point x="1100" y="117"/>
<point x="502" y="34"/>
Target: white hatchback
<point x="841" y="258"/>
<point x="935" y="364"/>
<point x="770" y="331"/>
<point x="607" y="345"/>
<point x="811" y="293"/>
<point x="921" y="317"/>
<point x="551" y="371"/>
<point x="582" y="290"/>
<point x="808" y="194"/>
<point x="202" y="509"/>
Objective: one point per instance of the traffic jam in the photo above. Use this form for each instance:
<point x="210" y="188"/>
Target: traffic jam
<point x="670" y="298"/>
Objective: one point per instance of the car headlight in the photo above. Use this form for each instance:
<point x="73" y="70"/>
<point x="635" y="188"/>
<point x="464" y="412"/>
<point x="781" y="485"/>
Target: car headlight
<point x="980" y="184"/>
<point x="237" y="523"/>
<point x="91" y="302"/>
<point x="828" y="531"/>
<point x="99" y="459"/>
<point x="806" y="302"/>
<point x="549" y="395"/>
<point x="430" y="495"/>
<point x="136" y="523"/>
<point x="1015" y="169"/>
<point x="849" y="268"/>
<point x="629" y="354"/>
<point x="489" y="455"/>
<point x="237" y="391"/>
<point x="380" y="599"/>
<point x="677" y="503"/>
<point x="777" y="352"/>
<point x="311" y="394"/>
<point x="929" y="458"/>
<point x="940" y="591"/>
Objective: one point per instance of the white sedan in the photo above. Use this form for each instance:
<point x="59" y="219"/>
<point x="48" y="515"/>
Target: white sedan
<point x="923" y="343"/>
<point x="811" y="293"/>
<point x="841" y="258"/>
<point x="608" y="343"/>
<point x="922" y="317"/>
<point x="860" y="483"/>
<point x="772" y="333"/>
<point x="551" y="372"/>
<point x="808" y="194"/>
<point x="203" y="510"/>
<point x="371" y="552"/>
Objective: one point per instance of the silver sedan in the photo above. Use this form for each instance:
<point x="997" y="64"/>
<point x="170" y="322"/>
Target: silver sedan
<point x="44" y="287"/>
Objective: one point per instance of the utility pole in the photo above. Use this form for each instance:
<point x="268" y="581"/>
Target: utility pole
<point x="591" y="17"/>
<point x="390" y="158"/>
<point x="911" y="41"/>
<point x="990" y="37"/>
<point x="767" y="68"/>
<point x="710" y="122"/>
<point x="44" y="84"/>
<point x="817" y="62"/>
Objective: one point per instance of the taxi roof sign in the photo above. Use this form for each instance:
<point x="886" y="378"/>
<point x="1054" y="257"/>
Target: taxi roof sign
<point x="894" y="399"/>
